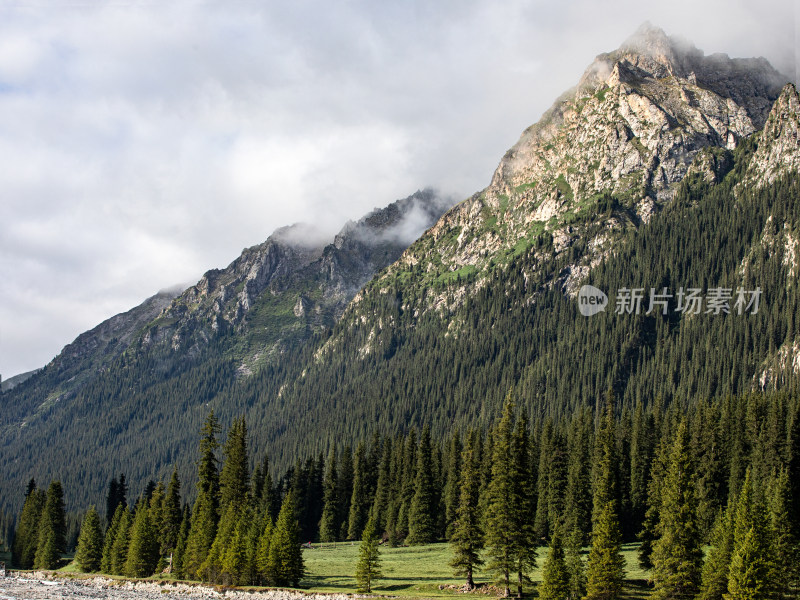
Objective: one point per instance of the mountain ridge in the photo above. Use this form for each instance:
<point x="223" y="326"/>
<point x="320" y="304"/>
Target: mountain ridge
<point x="486" y="294"/>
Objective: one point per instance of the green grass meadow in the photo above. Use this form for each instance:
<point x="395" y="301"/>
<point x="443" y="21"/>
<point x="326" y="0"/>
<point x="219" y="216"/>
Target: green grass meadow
<point x="418" y="571"/>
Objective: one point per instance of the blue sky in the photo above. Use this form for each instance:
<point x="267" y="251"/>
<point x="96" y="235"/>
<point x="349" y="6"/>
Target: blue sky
<point x="142" y="143"/>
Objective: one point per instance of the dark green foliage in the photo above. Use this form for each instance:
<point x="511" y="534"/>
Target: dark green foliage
<point x="452" y="487"/>
<point x="500" y="511"/>
<point x="467" y="536"/>
<point x="785" y="547"/>
<point x="422" y="517"/>
<point x="206" y="508"/>
<point x="285" y="562"/>
<point x="329" y="525"/>
<point x="119" y="550"/>
<point x="234" y="478"/>
<point x="344" y="492"/>
<point x="180" y="546"/>
<point x="751" y="569"/>
<point x="89" y="553"/>
<point x="555" y="575"/>
<point x="717" y="563"/>
<point x="678" y="553"/>
<point x="27" y="535"/>
<point x="142" y="556"/>
<point x="171" y="515"/>
<point x="360" y="501"/>
<point x="368" y="568"/>
<point x="52" y="542"/>
<point x="575" y="567"/>
<point x="117" y="494"/>
<point x="605" y="568"/>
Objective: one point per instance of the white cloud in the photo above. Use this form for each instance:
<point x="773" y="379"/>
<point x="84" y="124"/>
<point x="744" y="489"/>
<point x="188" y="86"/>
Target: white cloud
<point x="142" y="143"/>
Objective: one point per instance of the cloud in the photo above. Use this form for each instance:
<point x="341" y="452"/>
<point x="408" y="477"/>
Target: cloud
<point x="143" y="143"/>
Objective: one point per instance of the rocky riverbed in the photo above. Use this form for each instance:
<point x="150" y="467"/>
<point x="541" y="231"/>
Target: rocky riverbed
<point x="44" y="586"/>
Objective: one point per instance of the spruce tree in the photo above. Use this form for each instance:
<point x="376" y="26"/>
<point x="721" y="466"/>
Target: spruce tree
<point x="142" y="555"/>
<point x="26" y="537"/>
<point x="211" y="569"/>
<point x="329" y="526"/>
<point x="786" y="550"/>
<point x="368" y="568"/>
<point x="172" y="515"/>
<point x="466" y="539"/>
<point x="52" y="542"/>
<point x="555" y="576"/>
<point x="383" y="491"/>
<point x="344" y="492"/>
<point x="359" y="499"/>
<point x="717" y="565"/>
<point x="452" y="488"/>
<point x="235" y="558"/>
<point x="575" y="567"/>
<point x="262" y="552"/>
<point x="180" y="545"/>
<point x="751" y="570"/>
<point x="678" y="554"/>
<point x="234" y="480"/>
<point x="605" y="569"/>
<point x="285" y="555"/>
<point x="119" y="551"/>
<point x="108" y="542"/>
<point x="205" y="513"/>
<point x="500" y="511"/>
<point x="523" y="503"/>
<point x="89" y="552"/>
<point x="422" y="517"/>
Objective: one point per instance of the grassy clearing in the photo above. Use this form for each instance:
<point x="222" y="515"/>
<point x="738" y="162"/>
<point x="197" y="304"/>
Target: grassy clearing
<point x="409" y="572"/>
<point x="418" y="571"/>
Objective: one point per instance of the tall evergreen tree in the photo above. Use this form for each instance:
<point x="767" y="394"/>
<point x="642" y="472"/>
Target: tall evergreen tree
<point x="678" y="554"/>
<point x="523" y="503"/>
<point x="119" y="551"/>
<point x="234" y="480"/>
<point x="452" y="488"/>
<point x="368" y="568"/>
<point x="52" y="541"/>
<point x="575" y="567"/>
<point x="555" y="576"/>
<point x="606" y="566"/>
<point x="26" y="537"/>
<point x="172" y="515"/>
<point x="359" y="499"/>
<point x="180" y="544"/>
<point x="717" y="565"/>
<point x="466" y="539"/>
<point x="142" y="555"/>
<point x="344" y="492"/>
<point x="205" y="514"/>
<point x="286" y="565"/>
<point x="786" y="550"/>
<point x="108" y="542"/>
<point x="500" y="511"/>
<point x="751" y="570"/>
<point x="89" y="553"/>
<point x="329" y="524"/>
<point x="422" y="517"/>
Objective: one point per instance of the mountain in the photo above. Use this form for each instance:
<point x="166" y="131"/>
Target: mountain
<point x="11" y="382"/>
<point x="268" y="302"/>
<point x="663" y="168"/>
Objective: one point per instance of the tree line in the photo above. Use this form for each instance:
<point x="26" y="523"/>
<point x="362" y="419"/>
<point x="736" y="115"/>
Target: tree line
<point x="725" y="473"/>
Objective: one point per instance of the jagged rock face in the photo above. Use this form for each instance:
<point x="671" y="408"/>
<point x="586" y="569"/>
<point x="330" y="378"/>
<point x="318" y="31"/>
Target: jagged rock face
<point x="779" y="142"/>
<point x="292" y="273"/>
<point x="630" y="129"/>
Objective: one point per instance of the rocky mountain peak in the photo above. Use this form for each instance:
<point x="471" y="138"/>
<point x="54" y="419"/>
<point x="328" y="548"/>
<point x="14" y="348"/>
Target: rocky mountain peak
<point x="778" y="149"/>
<point x="624" y="137"/>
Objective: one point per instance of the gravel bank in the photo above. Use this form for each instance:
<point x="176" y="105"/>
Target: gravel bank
<point x="43" y="586"/>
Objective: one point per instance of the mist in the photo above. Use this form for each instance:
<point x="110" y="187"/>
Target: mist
<point x="145" y="143"/>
